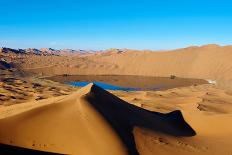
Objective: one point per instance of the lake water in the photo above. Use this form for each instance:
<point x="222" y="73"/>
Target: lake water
<point x="108" y="86"/>
<point x="127" y="82"/>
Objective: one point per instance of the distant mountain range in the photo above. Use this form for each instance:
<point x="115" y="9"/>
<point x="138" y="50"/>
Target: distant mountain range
<point x="46" y="51"/>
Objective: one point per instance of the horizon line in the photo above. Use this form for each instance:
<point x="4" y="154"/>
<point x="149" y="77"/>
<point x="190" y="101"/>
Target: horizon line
<point x="105" y="49"/>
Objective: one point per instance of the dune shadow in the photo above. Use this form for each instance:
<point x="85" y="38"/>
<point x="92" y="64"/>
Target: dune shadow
<point x="123" y="117"/>
<point x="4" y="65"/>
<point x="13" y="150"/>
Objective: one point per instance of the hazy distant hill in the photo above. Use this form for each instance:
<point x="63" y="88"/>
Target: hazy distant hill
<point x="45" y="51"/>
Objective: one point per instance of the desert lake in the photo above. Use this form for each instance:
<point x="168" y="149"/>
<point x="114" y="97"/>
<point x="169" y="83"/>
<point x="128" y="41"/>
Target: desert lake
<point x="127" y="82"/>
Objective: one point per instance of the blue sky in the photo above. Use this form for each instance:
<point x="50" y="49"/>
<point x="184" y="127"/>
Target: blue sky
<point x="102" y="24"/>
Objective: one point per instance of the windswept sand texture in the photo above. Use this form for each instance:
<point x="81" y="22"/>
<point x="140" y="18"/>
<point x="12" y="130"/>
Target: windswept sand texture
<point x="15" y="89"/>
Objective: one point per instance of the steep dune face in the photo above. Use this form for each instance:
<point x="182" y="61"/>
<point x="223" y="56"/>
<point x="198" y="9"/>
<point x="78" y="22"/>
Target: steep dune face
<point x="90" y="121"/>
<point x="207" y="62"/>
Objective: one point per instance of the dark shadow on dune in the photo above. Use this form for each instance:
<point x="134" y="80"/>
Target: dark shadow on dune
<point x="124" y="117"/>
<point x="5" y="65"/>
<point x="13" y="150"/>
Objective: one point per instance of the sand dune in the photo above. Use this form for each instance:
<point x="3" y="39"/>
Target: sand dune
<point x="94" y="121"/>
<point x="205" y="62"/>
<point x="4" y="65"/>
<point x="15" y="90"/>
<point x="211" y="124"/>
<point x="102" y="119"/>
<point x="90" y="121"/>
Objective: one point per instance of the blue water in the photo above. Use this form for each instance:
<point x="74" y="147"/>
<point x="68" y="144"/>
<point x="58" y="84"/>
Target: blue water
<point x="107" y="86"/>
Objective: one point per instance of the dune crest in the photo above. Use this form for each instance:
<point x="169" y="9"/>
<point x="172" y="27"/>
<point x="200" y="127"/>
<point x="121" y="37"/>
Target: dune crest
<point x="90" y="121"/>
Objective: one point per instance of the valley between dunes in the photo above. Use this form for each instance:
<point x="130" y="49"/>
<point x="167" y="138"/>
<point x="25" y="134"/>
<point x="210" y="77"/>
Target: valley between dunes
<point x="48" y="116"/>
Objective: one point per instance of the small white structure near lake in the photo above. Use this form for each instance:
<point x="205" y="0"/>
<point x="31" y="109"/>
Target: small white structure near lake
<point x="212" y="81"/>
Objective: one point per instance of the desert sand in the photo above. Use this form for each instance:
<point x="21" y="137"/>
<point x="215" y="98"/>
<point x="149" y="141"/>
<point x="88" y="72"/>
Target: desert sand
<point x="43" y="115"/>
<point x="100" y="123"/>
<point x="204" y="62"/>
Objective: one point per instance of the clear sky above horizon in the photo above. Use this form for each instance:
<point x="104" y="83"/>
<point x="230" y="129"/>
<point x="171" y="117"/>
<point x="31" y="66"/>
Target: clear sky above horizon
<point x="102" y="24"/>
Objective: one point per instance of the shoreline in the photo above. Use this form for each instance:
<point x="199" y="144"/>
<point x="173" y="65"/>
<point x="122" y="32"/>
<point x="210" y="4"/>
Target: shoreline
<point x="130" y="81"/>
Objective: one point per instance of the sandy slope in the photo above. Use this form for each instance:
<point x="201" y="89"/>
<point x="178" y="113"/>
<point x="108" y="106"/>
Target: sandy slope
<point x="90" y="121"/>
<point x="207" y="62"/>
<point x="206" y="108"/>
<point x="93" y="121"/>
<point x="69" y="126"/>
